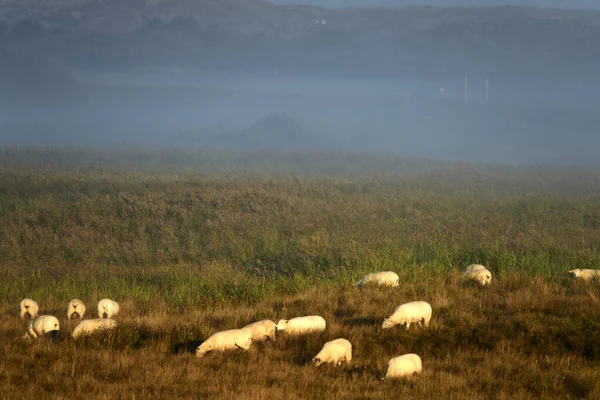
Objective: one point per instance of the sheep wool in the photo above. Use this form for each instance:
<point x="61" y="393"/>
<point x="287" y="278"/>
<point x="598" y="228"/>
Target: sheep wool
<point x="474" y="267"/>
<point x="585" y="274"/>
<point x="28" y="309"/>
<point x="262" y="330"/>
<point x="334" y="352"/>
<point x="226" y="340"/>
<point x="89" y="326"/>
<point x="75" y="309"/>
<point x="41" y="326"/>
<point x="414" y="312"/>
<point x="478" y="273"/>
<point x="404" y="366"/>
<point x="302" y="325"/>
<point x="385" y="278"/>
<point x="107" y="308"/>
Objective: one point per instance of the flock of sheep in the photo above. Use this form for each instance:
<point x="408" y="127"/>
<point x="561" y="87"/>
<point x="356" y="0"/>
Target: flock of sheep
<point x="43" y="325"/>
<point x="333" y="352"/>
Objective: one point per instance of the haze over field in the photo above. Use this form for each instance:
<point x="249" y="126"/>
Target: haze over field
<point x="589" y="4"/>
<point x="500" y="84"/>
<point x="212" y="163"/>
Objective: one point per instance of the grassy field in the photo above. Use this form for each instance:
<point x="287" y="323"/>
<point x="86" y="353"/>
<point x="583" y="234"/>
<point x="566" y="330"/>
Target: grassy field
<point x="188" y="251"/>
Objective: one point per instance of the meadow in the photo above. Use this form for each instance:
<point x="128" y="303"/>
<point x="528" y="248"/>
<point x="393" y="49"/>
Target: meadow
<point x="192" y="247"/>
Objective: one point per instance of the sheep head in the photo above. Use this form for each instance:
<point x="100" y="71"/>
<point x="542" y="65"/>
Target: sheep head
<point x="387" y="324"/>
<point x="281" y="325"/>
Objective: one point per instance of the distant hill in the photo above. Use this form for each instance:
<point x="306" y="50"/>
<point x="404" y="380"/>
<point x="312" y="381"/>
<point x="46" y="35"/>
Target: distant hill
<point x="275" y="131"/>
<point x="258" y="37"/>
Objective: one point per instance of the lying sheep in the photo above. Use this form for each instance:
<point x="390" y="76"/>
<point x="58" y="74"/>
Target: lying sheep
<point x="107" y="308"/>
<point x="75" y="309"/>
<point x="418" y="312"/>
<point x="334" y="352"/>
<point x="28" y="309"/>
<point x="302" y="325"/>
<point x="404" y="366"/>
<point x="385" y="278"/>
<point x="478" y="273"/>
<point x="585" y="274"/>
<point x="41" y="325"/>
<point x="262" y="330"/>
<point x="89" y="326"/>
<point x="226" y="340"/>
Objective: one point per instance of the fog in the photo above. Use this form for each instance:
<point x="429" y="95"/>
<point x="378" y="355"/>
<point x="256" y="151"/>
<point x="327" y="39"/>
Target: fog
<point x="568" y="4"/>
<point x="457" y="84"/>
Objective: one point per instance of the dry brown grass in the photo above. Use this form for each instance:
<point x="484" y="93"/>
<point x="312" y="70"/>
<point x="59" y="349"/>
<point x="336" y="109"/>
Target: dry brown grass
<point x="519" y="338"/>
<point x="187" y="254"/>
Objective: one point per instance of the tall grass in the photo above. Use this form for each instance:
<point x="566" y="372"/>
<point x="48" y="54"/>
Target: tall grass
<point x="188" y="252"/>
<point x="153" y="233"/>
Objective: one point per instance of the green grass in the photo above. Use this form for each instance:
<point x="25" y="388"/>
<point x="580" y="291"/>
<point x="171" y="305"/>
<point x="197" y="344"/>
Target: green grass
<point x="165" y="233"/>
<point x="188" y="252"/>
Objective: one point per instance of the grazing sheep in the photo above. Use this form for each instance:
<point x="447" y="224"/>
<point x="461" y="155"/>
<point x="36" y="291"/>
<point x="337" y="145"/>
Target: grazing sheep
<point x="29" y="309"/>
<point x="302" y="325"/>
<point x="107" y="308"/>
<point x="334" y="352"/>
<point x="478" y="273"/>
<point x="75" y="309"/>
<point x="385" y="278"/>
<point x="41" y="326"/>
<point x="89" y="326"/>
<point x="418" y="312"/>
<point x="585" y="274"/>
<point x="226" y="340"/>
<point x="262" y="330"/>
<point x="404" y="366"/>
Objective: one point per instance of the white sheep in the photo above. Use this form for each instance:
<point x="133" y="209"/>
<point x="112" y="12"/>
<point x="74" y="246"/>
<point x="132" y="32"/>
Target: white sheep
<point x="302" y="325"/>
<point x="41" y="326"/>
<point x="334" y="352"/>
<point x="226" y="340"/>
<point x="478" y="273"/>
<point x="474" y="267"/>
<point x="262" y="330"/>
<point x="107" y="308"/>
<point x="75" y="308"/>
<point x="418" y="312"/>
<point x="585" y="274"/>
<point x="28" y="309"/>
<point x="90" y="326"/>
<point x="404" y="366"/>
<point x="384" y="278"/>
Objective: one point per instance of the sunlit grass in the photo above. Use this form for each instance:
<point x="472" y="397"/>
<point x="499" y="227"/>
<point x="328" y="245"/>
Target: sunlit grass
<point x="187" y="253"/>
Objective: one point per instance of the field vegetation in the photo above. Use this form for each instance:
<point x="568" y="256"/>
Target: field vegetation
<point x="188" y="251"/>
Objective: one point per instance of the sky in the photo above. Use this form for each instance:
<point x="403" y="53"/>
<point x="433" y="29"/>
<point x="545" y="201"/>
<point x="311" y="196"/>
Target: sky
<point x="595" y="4"/>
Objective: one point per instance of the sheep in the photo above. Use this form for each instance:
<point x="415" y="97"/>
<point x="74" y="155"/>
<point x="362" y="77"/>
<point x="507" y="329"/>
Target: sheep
<point x="302" y="325"/>
<point x="89" y="326"/>
<point x="334" y="352"/>
<point x="28" y="309"/>
<point x="262" y="330"/>
<point x="385" y="278"/>
<point x="75" y="308"/>
<point x="226" y="340"/>
<point x="473" y="267"/>
<point x="585" y="274"/>
<point x="107" y="308"/>
<point x="413" y="312"/>
<point x="478" y="273"/>
<point x="404" y="366"/>
<point x="41" y="325"/>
